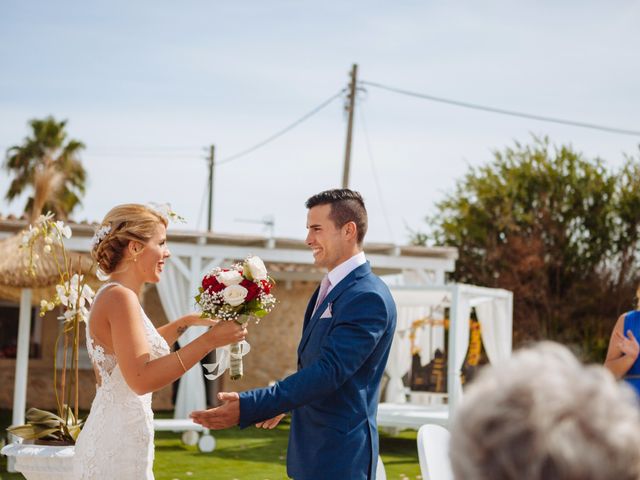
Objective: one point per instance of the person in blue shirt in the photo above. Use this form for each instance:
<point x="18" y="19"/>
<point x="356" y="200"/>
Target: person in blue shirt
<point x="622" y="356"/>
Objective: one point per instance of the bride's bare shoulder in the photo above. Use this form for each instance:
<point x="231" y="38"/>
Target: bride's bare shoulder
<point x="115" y="297"/>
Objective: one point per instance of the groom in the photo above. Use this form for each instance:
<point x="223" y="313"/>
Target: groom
<point x="346" y="337"/>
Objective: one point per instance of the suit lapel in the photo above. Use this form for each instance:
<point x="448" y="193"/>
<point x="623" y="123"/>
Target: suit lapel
<point x="340" y="288"/>
<point x="309" y="310"/>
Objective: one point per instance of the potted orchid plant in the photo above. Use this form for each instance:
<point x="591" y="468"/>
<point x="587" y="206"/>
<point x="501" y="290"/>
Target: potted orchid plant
<point x="73" y="297"/>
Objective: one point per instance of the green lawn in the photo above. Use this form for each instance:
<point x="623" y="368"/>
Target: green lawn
<point x="249" y="454"/>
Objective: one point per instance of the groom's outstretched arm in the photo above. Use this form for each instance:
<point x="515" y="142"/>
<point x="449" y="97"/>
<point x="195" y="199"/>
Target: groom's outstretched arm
<point x="228" y="414"/>
<point x="350" y="342"/>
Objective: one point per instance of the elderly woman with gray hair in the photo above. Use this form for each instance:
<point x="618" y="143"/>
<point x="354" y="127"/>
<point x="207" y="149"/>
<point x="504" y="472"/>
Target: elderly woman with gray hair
<point x="542" y="415"/>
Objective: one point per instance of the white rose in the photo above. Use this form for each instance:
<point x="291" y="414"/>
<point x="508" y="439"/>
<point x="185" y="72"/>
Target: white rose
<point x="232" y="277"/>
<point x="256" y="268"/>
<point x="234" y="295"/>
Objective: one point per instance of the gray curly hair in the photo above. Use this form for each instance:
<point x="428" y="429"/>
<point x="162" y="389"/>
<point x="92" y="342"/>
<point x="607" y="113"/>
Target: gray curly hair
<point x="542" y="415"/>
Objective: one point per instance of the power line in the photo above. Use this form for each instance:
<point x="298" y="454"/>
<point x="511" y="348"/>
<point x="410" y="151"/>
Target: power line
<point x="156" y="151"/>
<point x="501" y="111"/>
<point x="281" y="132"/>
<point x="134" y="148"/>
<point x="168" y="155"/>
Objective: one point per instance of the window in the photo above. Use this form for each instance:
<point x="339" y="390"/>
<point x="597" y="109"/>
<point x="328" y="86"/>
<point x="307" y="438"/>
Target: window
<point x="9" y="318"/>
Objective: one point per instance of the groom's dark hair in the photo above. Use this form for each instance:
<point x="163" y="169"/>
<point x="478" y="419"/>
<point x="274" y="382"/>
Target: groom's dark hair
<point x="346" y="206"/>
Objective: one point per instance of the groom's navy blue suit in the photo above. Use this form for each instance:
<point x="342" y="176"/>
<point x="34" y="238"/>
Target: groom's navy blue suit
<point x="334" y="395"/>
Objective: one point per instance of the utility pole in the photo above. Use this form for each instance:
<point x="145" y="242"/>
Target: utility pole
<point x="211" y="167"/>
<point x="350" y="107"/>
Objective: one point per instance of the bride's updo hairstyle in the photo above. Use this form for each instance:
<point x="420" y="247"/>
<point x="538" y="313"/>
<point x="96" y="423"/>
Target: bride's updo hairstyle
<point x="124" y="223"/>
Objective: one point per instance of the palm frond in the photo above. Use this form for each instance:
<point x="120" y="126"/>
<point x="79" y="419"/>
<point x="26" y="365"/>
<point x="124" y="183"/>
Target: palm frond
<point x="50" y="164"/>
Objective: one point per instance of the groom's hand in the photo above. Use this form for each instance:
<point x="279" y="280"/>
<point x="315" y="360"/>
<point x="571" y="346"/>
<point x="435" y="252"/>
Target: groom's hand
<point x="225" y="416"/>
<point x="271" y="423"/>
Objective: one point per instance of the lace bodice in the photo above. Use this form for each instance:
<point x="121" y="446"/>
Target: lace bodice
<point x="105" y="363"/>
<point x="117" y="439"/>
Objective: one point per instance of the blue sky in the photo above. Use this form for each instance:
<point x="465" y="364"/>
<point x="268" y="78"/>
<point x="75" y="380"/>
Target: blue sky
<point x="148" y="85"/>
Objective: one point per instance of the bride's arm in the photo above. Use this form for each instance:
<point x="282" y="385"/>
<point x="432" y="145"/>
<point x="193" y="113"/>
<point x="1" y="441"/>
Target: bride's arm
<point x="142" y="374"/>
<point x="172" y="330"/>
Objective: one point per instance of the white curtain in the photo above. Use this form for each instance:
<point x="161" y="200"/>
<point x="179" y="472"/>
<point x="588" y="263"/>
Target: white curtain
<point x="496" y="325"/>
<point x="424" y="343"/>
<point x="460" y="325"/>
<point x="177" y="300"/>
<point x="399" y="361"/>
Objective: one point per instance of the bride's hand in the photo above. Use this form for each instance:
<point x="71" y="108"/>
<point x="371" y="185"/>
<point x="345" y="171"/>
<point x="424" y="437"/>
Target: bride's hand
<point x="195" y="320"/>
<point x="227" y="332"/>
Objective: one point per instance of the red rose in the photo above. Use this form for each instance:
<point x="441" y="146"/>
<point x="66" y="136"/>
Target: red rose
<point x="266" y="286"/>
<point x="253" y="290"/>
<point x="211" y="284"/>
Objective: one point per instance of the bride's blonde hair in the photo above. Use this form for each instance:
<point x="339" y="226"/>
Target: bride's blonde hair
<point x="125" y="223"/>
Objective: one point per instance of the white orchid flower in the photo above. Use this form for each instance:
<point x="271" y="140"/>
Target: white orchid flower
<point x="65" y="230"/>
<point x="68" y="315"/>
<point x="61" y="291"/>
<point x="87" y="293"/>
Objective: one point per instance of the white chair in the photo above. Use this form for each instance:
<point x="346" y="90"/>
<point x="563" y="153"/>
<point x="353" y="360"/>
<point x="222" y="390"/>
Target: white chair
<point x="380" y="473"/>
<point x="433" y="452"/>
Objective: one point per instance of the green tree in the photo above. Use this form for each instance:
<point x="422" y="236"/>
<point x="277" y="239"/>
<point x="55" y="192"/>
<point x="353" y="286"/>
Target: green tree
<point x="48" y="164"/>
<point x="557" y="229"/>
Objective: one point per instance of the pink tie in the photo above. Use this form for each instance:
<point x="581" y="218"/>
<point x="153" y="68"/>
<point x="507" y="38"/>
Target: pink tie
<point x="324" y="288"/>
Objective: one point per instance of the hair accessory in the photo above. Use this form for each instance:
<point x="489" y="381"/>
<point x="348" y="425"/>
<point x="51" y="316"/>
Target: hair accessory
<point x="102" y="232"/>
<point x="165" y="211"/>
<point x="102" y="276"/>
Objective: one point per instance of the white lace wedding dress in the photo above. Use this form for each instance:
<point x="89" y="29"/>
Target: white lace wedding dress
<point x="117" y="439"/>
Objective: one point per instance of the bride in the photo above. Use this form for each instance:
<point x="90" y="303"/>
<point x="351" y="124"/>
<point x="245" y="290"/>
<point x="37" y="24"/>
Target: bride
<point x="131" y="358"/>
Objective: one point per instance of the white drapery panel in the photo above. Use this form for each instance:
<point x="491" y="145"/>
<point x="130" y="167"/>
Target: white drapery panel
<point x="496" y="326"/>
<point x="176" y="296"/>
<point x="399" y="363"/>
<point x="458" y="344"/>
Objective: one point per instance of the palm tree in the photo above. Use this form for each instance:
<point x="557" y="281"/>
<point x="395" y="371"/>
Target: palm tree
<point x="49" y="164"/>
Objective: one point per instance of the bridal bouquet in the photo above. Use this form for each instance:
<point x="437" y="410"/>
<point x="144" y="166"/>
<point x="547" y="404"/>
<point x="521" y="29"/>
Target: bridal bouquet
<point x="237" y="293"/>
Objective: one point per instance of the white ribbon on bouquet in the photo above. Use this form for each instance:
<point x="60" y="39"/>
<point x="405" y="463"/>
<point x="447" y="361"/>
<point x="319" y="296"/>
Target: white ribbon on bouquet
<point x="223" y="360"/>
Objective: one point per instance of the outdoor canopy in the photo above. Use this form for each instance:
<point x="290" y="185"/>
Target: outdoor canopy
<point x="494" y="310"/>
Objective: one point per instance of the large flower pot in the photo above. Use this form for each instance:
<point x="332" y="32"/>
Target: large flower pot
<point x="41" y="462"/>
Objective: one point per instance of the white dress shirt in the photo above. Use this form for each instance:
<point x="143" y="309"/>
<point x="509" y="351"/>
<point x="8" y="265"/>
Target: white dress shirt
<point x="345" y="268"/>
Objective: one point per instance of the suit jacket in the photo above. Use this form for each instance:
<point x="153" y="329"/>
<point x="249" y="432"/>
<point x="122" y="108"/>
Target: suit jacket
<point x="334" y="394"/>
